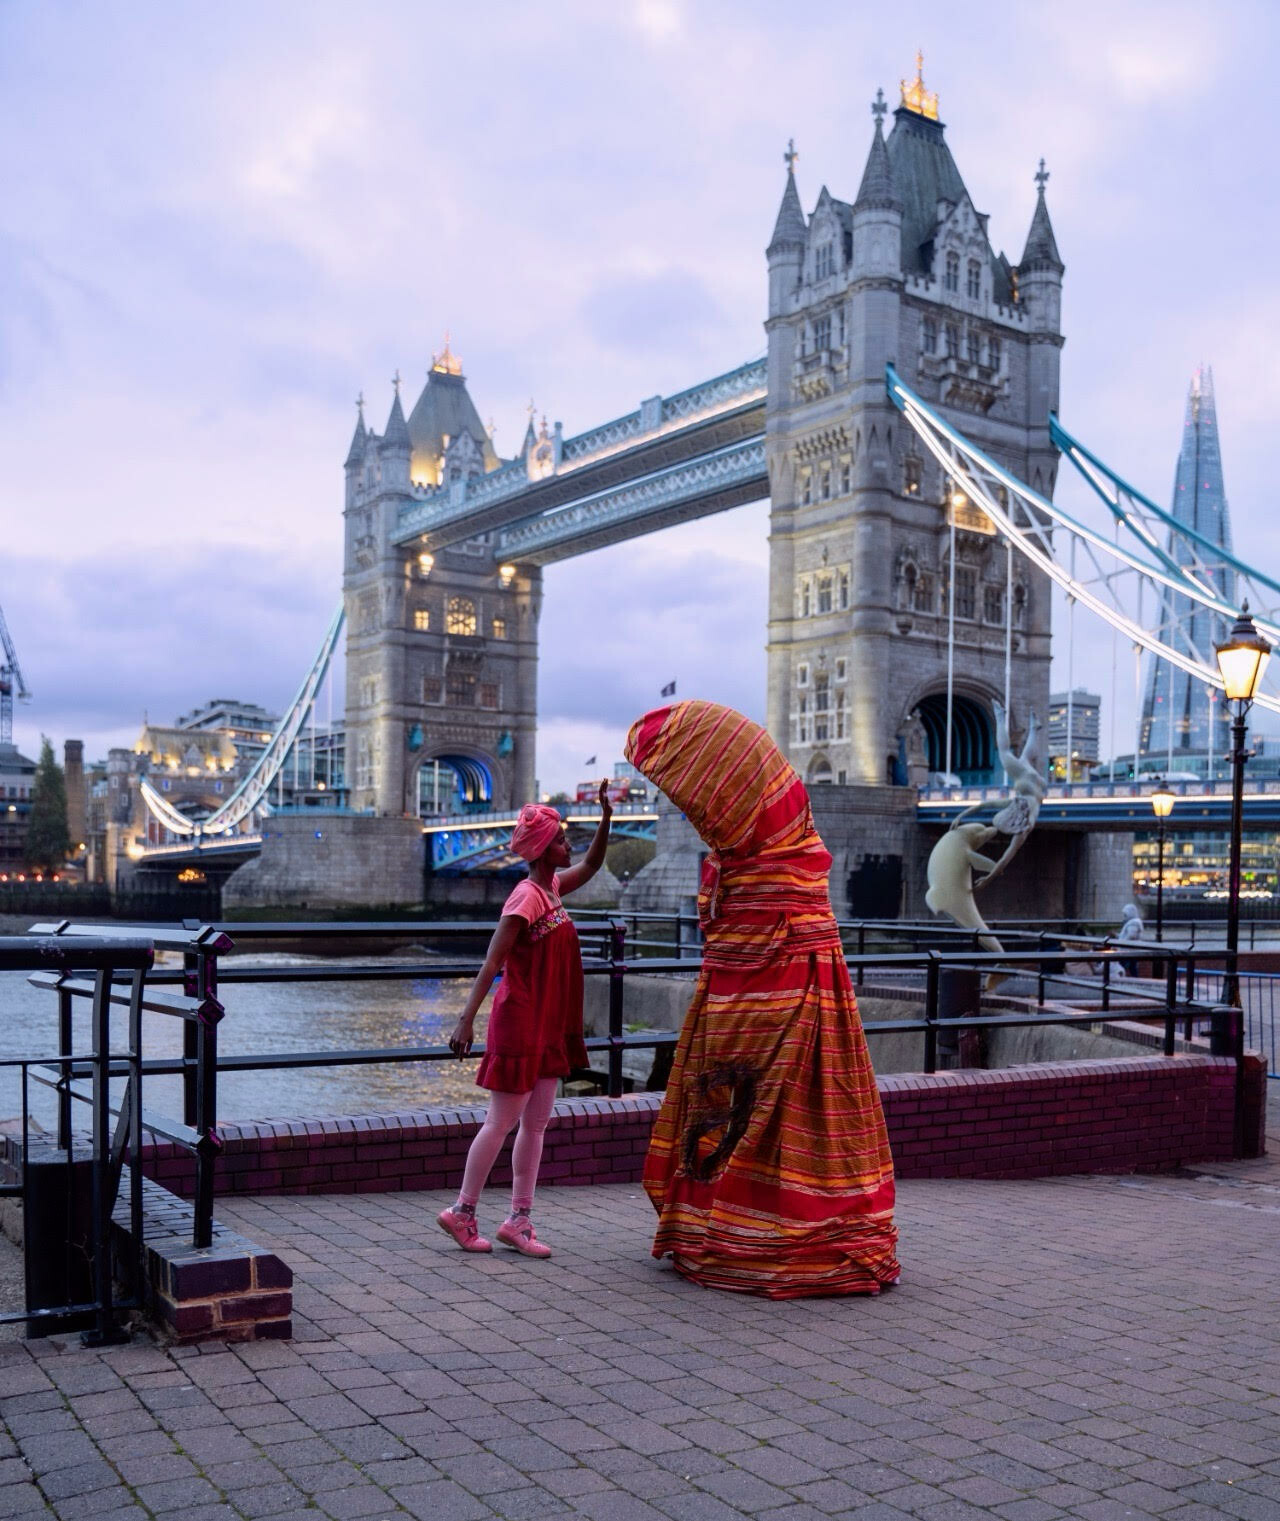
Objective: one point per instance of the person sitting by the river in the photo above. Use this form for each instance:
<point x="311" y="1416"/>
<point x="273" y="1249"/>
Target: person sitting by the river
<point x="535" y="1026"/>
<point x="1130" y="929"/>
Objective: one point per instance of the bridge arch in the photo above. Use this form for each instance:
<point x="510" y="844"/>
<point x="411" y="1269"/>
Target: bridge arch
<point x="818" y="771"/>
<point x="454" y="782"/>
<point x="973" y="741"/>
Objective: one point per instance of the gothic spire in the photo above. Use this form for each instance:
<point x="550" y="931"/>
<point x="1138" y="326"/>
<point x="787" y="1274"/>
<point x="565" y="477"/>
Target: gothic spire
<point x="396" y="433"/>
<point x="356" y="452"/>
<point x="1042" y="248"/>
<point x="790" y="229"/>
<point x="877" y="178"/>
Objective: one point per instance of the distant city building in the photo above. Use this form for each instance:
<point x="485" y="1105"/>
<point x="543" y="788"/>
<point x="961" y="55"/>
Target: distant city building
<point x="248" y="726"/>
<point x="17" y="774"/>
<point x="1179" y="718"/>
<point x="1073" y="732"/>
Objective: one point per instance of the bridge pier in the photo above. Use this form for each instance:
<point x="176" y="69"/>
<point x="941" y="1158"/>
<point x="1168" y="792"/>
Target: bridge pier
<point x="331" y="861"/>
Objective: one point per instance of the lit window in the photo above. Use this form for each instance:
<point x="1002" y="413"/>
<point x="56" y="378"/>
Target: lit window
<point x="460" y="618"/>
<point x="974" y="348"/>
<point x="499" y="628"/>
<point x="973" y="280"/>
<point x="422" y="619"/>
<point x="952" y="278"/>
<point x="432" y="690"/>
<point x="929" y="336"/>
<point x="953" y="341"/>
<point x="460" y="689"/>
<point x="911" y="476"/>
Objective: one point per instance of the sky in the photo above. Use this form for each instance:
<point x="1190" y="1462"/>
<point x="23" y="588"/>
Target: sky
<point x="223" y="222"/>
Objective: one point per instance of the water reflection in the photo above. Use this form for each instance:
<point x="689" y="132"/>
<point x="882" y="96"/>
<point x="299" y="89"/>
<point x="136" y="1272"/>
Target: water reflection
<point x="276" y="1017"/>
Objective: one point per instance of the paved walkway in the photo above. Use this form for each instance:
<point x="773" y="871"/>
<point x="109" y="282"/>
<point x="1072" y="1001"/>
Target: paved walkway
<point x="1098" y="1348"/>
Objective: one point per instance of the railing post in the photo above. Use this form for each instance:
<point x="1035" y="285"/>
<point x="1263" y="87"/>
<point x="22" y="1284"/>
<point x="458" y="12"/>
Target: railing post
<point x="105" y="1332"/>
<point x="65" y="1049"/>
<point x="931" y="1013"/>
<point x="1170" y="1004"/>
<point x="617" y="974"/>
<point x="208" y="1144"/>
<point x="1191" y="978"/>
<point x="1106" y="984"/>
<point x="190" y="1039"/>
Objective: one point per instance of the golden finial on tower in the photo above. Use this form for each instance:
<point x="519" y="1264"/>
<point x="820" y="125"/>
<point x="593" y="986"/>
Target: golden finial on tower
<point x="446" y="362"/>
<point x="914" y="95"/>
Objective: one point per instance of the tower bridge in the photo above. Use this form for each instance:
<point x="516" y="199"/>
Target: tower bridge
<point x="902" y="425"/>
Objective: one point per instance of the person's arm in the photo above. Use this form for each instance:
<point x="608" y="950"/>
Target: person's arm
<point x="594" y="858"/>
<point x="500" y="947"/>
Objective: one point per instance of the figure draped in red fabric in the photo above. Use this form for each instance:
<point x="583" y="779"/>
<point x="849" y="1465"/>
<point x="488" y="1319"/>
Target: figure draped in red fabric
<point x="535" y="1025"/>
<point x="769" y="1164"/>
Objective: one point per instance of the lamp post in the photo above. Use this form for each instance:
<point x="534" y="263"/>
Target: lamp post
<point x="1162" y="801"/>
<point x="1241" y="659"/>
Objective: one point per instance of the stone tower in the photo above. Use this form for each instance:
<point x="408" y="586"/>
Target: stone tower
<point x="861" y="523"/>
<point x="441" y="649"/>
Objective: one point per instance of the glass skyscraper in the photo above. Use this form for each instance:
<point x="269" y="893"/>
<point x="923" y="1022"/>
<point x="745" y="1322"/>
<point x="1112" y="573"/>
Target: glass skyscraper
<point x="1177" y="714"/>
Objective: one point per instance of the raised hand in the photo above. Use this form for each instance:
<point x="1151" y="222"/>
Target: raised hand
<point x="606" y="807"/>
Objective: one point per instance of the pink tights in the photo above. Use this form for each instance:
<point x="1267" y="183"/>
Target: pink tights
<point x="531" y="1111"/>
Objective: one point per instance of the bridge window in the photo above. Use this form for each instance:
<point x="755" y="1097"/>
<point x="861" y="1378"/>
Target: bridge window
<point x="490" y="695"/>
<point x="460" y="689"/>
<point x="844" y="590"/>
<point x="824" y="261"/>
<point x="966" y="592"/>
<point x="802" y="675"/>
<point x="499" y="628"/>
<point x="922" y="597"/>
<point x="824" y="597"/>
<point x="821" y="707"/>
<point x="951" y="280"/>
<point x="929" y="336"/>
<point x="803" y="594"/>
<point x="822" y="334"/>
<point x="422" y="619"/>
<point x="973" y="280"/>
<point x="842" y="666"/>
<point x="369" y="692"/>
<point x="806" y="487"/>
<point x="911" y="475"/>
<point x="846" y="476"/>
<point x="802" y="721"/>
<point x="826" y="483"/>
<point x="993" y="604"/>
<point x="460" y="617"/>
<point x="973" y="345"/>
<point x="432" y="689"/>
<point x="993" y="353"/>
<point x="953" y="341"/>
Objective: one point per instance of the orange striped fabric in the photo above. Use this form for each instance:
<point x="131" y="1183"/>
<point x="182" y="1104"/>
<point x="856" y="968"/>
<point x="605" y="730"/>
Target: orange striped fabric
<point x="769" y="1165"/>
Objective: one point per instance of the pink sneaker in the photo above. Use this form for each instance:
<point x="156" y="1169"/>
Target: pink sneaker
<point x="517" y="1231"/>
<point x="461" y="1225"/>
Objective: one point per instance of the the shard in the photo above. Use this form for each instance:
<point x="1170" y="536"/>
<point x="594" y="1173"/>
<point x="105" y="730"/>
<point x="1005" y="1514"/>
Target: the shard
<point x="1178" y="719"/>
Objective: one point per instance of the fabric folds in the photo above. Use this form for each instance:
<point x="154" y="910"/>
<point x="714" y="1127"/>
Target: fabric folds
<point x="769" y="1165"/>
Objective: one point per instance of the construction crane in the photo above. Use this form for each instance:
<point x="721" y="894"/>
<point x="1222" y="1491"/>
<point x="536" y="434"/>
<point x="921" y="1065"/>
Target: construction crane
<point x="10" y="682"/>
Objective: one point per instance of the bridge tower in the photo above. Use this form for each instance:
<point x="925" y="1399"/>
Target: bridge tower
<point x="862" y="524"/>
<point x="441" y="649"/>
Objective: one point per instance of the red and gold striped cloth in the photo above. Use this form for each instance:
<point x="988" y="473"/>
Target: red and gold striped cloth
<point x="769" y="1165"/>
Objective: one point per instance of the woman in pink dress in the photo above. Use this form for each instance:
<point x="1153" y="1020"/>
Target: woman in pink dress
<point x="535" y="1026"/>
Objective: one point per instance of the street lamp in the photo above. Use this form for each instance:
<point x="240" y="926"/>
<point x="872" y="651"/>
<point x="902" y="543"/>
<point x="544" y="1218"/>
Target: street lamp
<point x="1241" y="660"/>
<point x="1162" y="801"/>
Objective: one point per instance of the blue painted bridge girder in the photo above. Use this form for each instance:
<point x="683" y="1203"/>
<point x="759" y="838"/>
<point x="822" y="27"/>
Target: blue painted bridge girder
<point x="481" y="843"/>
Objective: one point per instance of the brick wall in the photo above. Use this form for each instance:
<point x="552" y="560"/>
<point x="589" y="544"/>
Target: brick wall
<point x="1145" y="1114"/>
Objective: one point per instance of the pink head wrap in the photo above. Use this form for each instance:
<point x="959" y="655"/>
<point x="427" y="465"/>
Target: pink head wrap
<point x="536" y="828"/>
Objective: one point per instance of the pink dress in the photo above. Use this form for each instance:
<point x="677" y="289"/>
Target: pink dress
<point x="535" y="1026"/>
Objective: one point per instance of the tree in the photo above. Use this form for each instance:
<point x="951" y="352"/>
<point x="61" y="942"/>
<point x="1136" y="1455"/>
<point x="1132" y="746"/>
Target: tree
<point x="47" y="839"/>
<point x="627" y="857"/>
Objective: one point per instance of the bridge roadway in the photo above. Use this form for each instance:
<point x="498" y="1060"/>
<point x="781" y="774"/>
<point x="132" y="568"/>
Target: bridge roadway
<point x="672" y="460"/>
<point x="479" y="841"/>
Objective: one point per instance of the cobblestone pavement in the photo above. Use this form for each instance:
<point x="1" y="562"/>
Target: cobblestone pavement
<point x="1087" y="1347"/>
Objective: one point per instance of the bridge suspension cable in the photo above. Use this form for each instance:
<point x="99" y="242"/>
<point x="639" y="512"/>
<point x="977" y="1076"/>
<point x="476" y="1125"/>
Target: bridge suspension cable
<point x="252" y="793"/>
<point x="1106" y="575"/>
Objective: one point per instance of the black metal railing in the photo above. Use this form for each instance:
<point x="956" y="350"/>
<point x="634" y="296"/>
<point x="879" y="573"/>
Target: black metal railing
<point x="116" y="961"/>
<point x="925" y="967"/>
